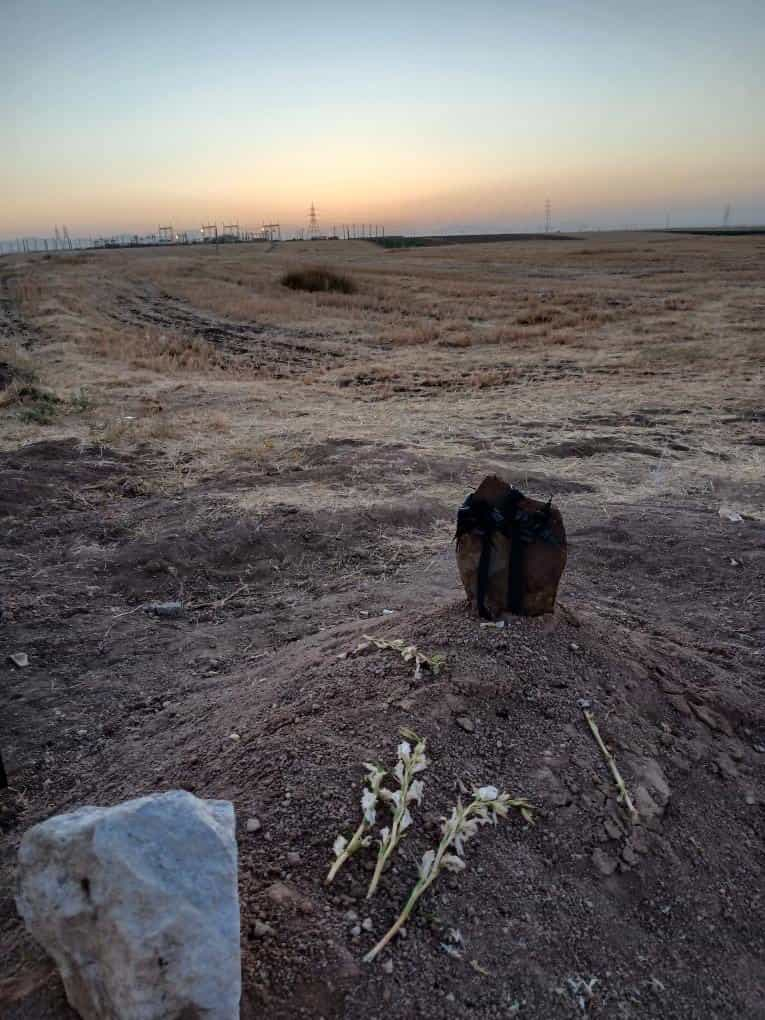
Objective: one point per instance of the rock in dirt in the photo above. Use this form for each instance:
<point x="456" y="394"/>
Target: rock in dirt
<point x="168" y="610"/>
<point x="285" y="895"/>
<point x="605" y="864"/>
<point x="19" y="659"/>
<point x="729" y="514"/>
<point x="465" y="723"/>
<point x="138" y="906"/>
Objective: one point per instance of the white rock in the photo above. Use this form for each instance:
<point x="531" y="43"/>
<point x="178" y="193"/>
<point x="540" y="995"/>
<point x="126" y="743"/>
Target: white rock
<point x="138" y="906"/>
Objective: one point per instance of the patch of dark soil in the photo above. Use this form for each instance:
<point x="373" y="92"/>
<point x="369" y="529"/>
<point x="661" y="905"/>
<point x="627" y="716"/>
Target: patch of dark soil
<point x="10" y="373"/>
<point x="281" y="544"/>
<point x="13" y="327"/>
<point x="591" y="446"/>
<point x="43" y="472"/>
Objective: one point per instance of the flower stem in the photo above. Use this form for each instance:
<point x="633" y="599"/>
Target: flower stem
<point x="383" y="855"/>
<point x="418" y="890"/>
<point x="352" y="847"/>
<point x="393" y="838"/>
<point x="403" y="917"/>
<point x="624" y="796"/>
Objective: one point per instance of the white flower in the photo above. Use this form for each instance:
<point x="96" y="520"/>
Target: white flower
<point x="467" y="829"/>
<point x="395" y="798"/>
<point x="384" y="835"/>
<point x="419" y="765"/>
<point x="452" y="862"/>
<point x="339" y="845"/>
<point x="375" y="775"/>
<point x="416" y="791"/>
<point x="427" y="863"/>
<point x="487" y="793"/>
<point x="398" y="772"/>
<point x="406" y="820"/>
<point x="404" y="750"/>
<point x="368" y="804"/>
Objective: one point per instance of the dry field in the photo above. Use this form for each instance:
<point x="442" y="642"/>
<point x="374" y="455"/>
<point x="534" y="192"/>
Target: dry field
<point x="176" y="424"/>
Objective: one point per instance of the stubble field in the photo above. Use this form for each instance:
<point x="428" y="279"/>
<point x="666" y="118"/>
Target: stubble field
<point x="177" y="425"/>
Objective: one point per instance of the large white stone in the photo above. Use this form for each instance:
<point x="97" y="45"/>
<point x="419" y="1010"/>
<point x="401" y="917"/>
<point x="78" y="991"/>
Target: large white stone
<point x="138" y="906"/>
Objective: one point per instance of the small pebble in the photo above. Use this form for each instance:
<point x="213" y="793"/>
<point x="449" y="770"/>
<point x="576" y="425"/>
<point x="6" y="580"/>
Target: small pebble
<point x="351" y="915"/>
<point x="171" y="610"/>
<point x="260" y="928"/>
<point x="253" y="824"/>
<point x="465" y="723"/>
<point x="366" y="924"/>
<point x="356" y="930"/>
<point x="293" y="857"/>
<point x="388" y="967"/>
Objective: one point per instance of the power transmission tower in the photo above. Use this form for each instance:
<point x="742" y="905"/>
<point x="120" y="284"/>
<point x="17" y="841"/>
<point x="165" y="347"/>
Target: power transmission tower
<point x="548" y="215"/>
<point x="165" y="234"/>
<point x="313" y="222"/>
<point x="232" y="230"/>
<point x="726" y="215"/>
<point x="67" y="239"/>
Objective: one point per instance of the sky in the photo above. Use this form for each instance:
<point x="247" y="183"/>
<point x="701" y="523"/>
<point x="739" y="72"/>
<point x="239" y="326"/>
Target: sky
<point x="121" y="115"/>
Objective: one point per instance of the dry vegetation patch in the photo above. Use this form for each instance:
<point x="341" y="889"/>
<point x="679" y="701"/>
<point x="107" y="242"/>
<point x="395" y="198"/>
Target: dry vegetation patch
<point x="318" y="279"/>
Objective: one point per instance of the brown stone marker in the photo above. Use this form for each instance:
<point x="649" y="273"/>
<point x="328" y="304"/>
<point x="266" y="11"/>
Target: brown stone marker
<point x="511" y="551"/>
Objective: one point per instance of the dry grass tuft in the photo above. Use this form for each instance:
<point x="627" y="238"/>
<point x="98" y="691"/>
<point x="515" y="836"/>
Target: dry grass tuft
<point x="159" y="350"/>
<point x="318" y="279"/>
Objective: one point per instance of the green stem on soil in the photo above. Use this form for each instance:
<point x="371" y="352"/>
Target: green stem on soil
<point x="353" y="845"/>
<point x="624" y="796"/>
<point x="393" y="839"/>
<point x="418" y="890"/>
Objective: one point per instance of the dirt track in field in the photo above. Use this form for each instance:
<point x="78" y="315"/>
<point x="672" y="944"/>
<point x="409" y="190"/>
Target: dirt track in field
<point x="288" y="513"/>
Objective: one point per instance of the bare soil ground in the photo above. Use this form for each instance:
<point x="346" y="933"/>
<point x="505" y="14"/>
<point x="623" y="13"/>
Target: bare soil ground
<point x="288" y="465"/>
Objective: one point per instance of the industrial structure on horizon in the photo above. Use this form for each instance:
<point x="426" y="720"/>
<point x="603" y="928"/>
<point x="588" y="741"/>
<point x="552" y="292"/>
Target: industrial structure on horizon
<point x="207" y="233"/>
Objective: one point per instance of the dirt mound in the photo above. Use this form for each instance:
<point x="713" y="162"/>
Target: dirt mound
<point x="540" y="912"/>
